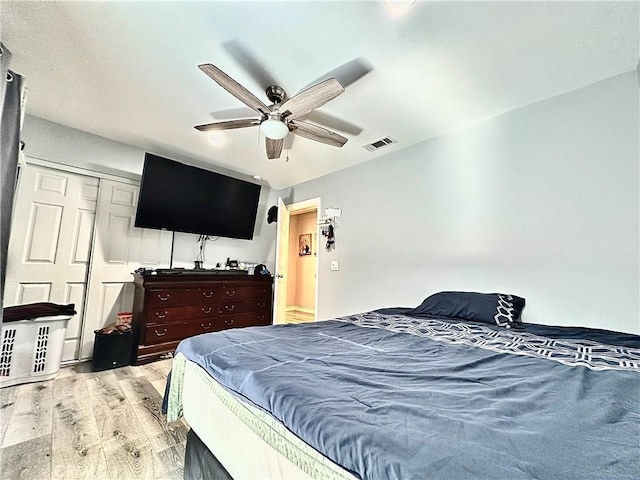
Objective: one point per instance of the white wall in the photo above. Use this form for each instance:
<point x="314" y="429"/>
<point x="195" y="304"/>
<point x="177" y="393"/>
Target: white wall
<point x="56" y="143"/>
<point x="542" y="202"/>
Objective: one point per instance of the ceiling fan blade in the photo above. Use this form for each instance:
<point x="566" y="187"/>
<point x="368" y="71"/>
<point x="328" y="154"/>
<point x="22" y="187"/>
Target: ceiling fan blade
<point x="229" y="124"/>
<point x="233" y="87"/>
<point x="314" y="132"/>
<point x="233" y="113"/>
<point x="250" y="63"/>
<point x="348" y="73"/>
<point x="311" y="98"/>
<point x="332" y="122"/>
<point x="274" y="147"/>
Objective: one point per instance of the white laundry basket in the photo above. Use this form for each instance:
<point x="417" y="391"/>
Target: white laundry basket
<point x="32" y="349"/>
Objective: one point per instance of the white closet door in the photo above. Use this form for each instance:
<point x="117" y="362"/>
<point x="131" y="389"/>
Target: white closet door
<point x="50" y="243"/>
<point x="118" y="249"/>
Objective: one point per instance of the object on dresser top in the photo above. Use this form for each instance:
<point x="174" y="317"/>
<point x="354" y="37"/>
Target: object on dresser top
<point x="202" y="271"/>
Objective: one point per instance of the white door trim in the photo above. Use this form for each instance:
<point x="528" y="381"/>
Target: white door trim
<point x="296" y="209"/>
<point x="132" y="179"/>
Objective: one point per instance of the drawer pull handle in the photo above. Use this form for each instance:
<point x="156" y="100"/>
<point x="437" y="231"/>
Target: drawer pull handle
<point x="262" y="304"/>
<point x="230" y="308"/>
<point x="206" y="310"/>
<point x="207" y="326"/>
<point x="228" y="321"/>
<point x="165" y="298"/>
<point x="164" y="332"/>
<point x="260" y="317"/>
<point x="262" y="290"/>
<point x="207" y="294"/>
<point x="161" y="315"/>
<point x="231" y="293"/>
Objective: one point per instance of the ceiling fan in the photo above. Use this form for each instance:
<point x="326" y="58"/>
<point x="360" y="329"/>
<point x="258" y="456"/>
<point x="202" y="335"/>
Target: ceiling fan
<point x="283" y="116"/>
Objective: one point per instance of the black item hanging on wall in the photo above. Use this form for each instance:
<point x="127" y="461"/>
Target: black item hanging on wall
<point x="331" y="238"/>
<point x="272" y="214"/>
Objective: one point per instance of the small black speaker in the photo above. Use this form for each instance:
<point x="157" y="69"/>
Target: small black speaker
<point x="112" y="350"/>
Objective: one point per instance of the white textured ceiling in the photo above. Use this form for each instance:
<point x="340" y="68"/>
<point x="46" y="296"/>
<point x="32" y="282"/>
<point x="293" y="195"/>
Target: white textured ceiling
<point x="128" y="70"/>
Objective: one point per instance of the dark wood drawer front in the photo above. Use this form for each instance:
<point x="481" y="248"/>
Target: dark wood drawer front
<point x="185" y="312"/>
<point x="165" y="332"/>
<point x="242" y="306"/>
<point x="206" y="326"/>
<point x="238" y="292"/>
<point x="180" y="296"/>
<point x="246" y="320"/>
<point x="164" y="315"/>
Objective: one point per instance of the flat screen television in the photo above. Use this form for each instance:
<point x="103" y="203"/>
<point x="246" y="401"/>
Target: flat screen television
<point x="182" y="198"/>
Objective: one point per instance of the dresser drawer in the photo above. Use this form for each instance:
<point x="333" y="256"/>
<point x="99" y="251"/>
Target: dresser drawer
<point x="245" y="320"/>
<point x="165" y="332"/>
<point x="181" y="313"/>
<point x="242" y="306"/>
<point x="237" y="292"/>
<point x="206" y="326"/>
<point x="179" y="296"/>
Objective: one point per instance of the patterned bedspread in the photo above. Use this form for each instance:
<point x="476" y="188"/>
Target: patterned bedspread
<point x="387" y="395"/>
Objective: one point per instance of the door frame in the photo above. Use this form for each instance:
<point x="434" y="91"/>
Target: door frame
<point x="127" y="177"/>
<point x="305" y="206"/>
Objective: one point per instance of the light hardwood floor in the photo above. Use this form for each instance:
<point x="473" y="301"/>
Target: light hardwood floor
<point x="298" y="316"/>
<point x="91" y="425"/>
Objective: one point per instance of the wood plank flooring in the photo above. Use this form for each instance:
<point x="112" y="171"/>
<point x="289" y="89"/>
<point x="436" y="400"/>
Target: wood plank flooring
<point x="91" y="425"/>
<point x="299" y="316"/>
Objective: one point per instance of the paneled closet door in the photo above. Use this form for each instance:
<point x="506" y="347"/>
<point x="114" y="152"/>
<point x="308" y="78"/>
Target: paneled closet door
<point x="50" y="243"/>
<point x="118" y="249"/>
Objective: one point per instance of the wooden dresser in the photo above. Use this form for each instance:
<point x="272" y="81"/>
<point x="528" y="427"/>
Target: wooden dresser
<point x="169" y="307"/>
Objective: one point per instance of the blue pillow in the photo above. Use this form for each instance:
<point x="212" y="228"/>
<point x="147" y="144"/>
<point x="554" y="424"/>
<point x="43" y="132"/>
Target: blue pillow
<point x="501" y="309"/>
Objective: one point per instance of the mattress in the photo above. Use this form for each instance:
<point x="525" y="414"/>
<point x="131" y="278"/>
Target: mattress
<point x="248" y="442"/>
<point x="386" y="395"/>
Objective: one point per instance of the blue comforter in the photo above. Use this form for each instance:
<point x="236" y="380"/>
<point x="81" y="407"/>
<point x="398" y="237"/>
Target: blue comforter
<point x="390" y="396"/>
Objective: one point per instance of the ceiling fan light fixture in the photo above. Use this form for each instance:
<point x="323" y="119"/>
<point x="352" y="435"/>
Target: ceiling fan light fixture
<point x="274" y="128"/>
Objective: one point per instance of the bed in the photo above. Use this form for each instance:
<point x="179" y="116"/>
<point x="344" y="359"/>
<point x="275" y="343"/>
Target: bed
<point x="399" y="393"/>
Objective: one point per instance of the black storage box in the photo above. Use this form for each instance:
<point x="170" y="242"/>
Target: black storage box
<point x="112" y="350"/>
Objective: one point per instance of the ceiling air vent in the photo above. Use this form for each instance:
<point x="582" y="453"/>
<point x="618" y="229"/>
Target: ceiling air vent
<point x="383" y="142"/>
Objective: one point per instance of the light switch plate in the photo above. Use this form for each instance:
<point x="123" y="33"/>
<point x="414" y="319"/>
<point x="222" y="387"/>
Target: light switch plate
<point x="335" y="266"/>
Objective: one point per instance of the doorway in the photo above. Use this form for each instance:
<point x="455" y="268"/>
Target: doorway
<point x="297" y="262"/>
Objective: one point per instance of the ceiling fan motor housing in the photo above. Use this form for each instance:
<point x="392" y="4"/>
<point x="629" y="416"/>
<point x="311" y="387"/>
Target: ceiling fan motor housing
<point x="275" y="94"/>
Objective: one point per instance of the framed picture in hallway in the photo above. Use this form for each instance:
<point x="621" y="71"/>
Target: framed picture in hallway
<point x="304" y="244"/>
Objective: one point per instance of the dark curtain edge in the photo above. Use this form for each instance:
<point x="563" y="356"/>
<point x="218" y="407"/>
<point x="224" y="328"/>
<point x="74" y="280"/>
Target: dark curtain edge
<point x="9" y="154"/>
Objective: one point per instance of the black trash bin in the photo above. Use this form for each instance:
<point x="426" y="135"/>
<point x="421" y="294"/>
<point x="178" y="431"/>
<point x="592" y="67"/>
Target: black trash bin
<point x="112" y="350"/>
